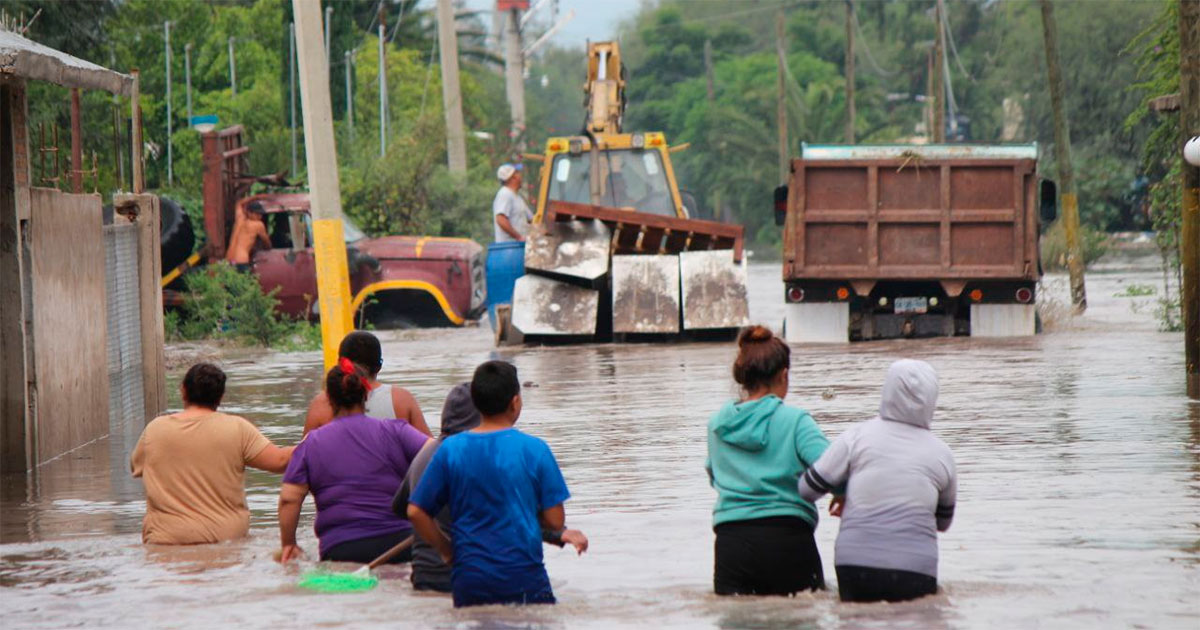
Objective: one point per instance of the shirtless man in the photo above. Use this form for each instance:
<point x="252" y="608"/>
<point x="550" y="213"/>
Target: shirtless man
<point x="248" y="231"/>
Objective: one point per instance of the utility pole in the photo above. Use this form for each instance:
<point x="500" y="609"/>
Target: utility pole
<point x="1062" y="153"/>
<point x="118" y="122"/>
<point x="328" y="22"/>
<point x="456" y="140"/>
<point x="929" y="94"/>
<point x="939" y="82"/>
<point x="708" y="70"/>
<point x="347" y="61"/>
<point x="850" y="71"/>
<point x="170" y="153"/>
<point x="232" y="69"/>
<point x="138" y="185"/>
<point x="780" y="102"/>
<point x="187" y="78"/>
<point x="514" y="75"/>
<point x="1189" y="237"/>
<point x="333" y="278"/>
<point x="382" y="90"/>
<point x="292" y="92"/>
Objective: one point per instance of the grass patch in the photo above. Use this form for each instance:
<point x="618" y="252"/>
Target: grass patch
<point x="1136" y="290"/>
<point x="224" y="303"/>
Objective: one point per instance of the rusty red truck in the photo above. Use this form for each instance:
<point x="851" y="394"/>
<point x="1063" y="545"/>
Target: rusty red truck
<point x="395" y="281"/>
<point x="885" y="241"/>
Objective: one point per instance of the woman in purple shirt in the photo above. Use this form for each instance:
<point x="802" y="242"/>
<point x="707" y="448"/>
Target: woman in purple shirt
<point x="352" y="466"/>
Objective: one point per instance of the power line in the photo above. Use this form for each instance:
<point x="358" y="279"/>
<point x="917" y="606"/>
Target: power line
<point x="953" y="47"/>
<point x="866" y="48"/>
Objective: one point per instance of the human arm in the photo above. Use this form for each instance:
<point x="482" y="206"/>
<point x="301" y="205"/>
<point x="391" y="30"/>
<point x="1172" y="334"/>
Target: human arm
<point x="405" y="406"/>
<point x="428" y="530"/>
<point x="829" y="473"/>
<point x="947" y="498"/>
<point x="554" y="531"/>
<point x="291" y="498"/>
<point x="320" y="412"/>
<point x="137" y="461"/>
<point x="260" y="235"/>
<point x="506" y="225"/>
<point x="272" y="458"/>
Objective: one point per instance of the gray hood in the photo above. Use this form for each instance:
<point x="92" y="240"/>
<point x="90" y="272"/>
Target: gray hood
<point x="910" y="393"/>
<point x="459" y="413"/>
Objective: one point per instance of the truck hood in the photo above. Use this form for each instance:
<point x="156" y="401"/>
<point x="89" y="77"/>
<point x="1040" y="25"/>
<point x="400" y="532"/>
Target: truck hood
<point x="418" y="247"/>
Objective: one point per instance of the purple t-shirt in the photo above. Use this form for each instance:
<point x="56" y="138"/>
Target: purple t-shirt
<point x="353" y="467"/>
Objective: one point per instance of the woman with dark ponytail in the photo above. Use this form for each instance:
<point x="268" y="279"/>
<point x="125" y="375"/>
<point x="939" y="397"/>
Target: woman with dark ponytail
<point x="352" y="466"/>
<point x="757" y="449"/>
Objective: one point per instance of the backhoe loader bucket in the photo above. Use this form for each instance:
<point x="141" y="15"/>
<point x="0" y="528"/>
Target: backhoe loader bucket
<point x="574" y="251"/>
<point x="543" y="306"/>
<point x="645" y="292"/>
<point x="714" y="290"/>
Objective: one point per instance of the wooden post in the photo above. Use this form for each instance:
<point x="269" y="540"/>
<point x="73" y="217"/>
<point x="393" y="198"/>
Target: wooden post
<point x="456" y="139"/>
<point x="76" y="144"/>
<point x="333" y="278"/>
<point x="939" y="80"/>
<point x="1189" y="237"/>
<point x="135" y="106"/>
<point x="1062" y="153"/>
<point x="850" y="114"/>
<point x="780" y="101"/>
<point x="708" y="70"/>
<point x="16" y="429"/>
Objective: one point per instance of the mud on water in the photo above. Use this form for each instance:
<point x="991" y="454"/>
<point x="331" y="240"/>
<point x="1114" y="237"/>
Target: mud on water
<point x="1078" y="455"/>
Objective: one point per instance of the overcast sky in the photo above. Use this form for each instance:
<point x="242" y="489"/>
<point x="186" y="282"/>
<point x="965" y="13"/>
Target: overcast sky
<point x="594" y="19"/>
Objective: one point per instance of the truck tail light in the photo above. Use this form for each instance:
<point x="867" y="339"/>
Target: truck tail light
<point x="843" y="293"/>
<point x="1024" y="295"/>
<point x="976" y="295"/>
<point x="795" y="294"/>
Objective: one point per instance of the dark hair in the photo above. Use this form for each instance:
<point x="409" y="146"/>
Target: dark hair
<point x="494" y="386"/>
<point x="256" y="207"/>
<point x="761" y="357"/>
<point x="346" y="386"/>
<point x="204" y="386"/>
<point x="362" y="348"/>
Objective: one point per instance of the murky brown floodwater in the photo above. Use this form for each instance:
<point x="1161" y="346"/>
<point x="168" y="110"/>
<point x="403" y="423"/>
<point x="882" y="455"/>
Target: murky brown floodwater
<point x="1078" y="454"/>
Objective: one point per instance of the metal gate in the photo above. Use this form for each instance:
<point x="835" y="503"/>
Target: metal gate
<point x="126" y="400"/>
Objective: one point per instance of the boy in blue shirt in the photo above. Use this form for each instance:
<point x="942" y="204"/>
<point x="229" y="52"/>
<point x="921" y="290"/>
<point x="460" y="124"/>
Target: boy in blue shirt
<point x="503" y="487"/>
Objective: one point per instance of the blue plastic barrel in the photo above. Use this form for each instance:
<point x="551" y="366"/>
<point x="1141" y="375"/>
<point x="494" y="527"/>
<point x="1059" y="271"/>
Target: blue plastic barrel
<point x="505" y="263"/>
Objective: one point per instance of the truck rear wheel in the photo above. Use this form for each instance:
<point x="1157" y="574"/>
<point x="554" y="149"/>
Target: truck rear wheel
<point x="818" y="322"/>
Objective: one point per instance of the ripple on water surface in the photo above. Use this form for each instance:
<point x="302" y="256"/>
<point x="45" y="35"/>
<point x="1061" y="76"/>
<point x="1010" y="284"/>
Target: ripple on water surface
<point x="1078" y="456"/>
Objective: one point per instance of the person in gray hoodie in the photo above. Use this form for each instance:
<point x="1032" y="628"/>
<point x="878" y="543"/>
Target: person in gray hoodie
<point x="429" y="573"/>
<point x="900" y="490"/>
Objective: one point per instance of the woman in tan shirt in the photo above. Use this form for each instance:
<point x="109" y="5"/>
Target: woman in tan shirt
<point x="193" y="466"/>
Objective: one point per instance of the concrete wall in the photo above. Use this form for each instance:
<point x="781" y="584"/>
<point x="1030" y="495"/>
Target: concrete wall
<point x="69" y="321"/>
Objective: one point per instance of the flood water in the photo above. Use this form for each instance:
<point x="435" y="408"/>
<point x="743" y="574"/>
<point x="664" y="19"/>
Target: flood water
<point x="1079" y="487"/>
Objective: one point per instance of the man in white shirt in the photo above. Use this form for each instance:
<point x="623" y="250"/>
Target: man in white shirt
<point x="512" y="214"/>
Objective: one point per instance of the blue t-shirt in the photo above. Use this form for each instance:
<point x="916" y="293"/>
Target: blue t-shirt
<point x="495" y="484"/>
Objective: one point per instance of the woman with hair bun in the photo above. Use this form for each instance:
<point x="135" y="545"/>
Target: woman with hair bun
<point x="352" y="466"/>
<point x="758" y="448"/>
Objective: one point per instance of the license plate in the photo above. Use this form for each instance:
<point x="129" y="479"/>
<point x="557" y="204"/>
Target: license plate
<point x="912" y="305"/>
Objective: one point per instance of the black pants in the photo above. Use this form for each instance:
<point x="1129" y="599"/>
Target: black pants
<point x="364" y="550"/>
<point x="766" y="556"/>
<point x="867" y="584"/>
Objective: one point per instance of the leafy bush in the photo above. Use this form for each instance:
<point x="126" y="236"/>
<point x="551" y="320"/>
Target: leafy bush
<point x="1093" y="242"/>
<point x="224" y="303"/>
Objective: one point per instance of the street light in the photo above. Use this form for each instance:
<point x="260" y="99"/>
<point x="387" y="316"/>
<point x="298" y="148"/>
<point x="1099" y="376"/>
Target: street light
<point x="1191" y="151"/>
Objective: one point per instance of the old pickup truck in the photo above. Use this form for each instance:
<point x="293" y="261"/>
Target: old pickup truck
<point x="890" y="241"/>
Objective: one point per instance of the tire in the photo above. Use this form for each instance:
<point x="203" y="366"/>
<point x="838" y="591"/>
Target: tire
<point x="177" y="240"/>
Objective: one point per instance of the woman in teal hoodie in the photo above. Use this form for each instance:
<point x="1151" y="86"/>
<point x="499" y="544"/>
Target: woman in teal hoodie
<point x="757" y="449"/>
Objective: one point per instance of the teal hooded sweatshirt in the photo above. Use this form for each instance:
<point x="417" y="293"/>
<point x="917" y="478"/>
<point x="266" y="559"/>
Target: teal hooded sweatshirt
<point x="757" y="451"/>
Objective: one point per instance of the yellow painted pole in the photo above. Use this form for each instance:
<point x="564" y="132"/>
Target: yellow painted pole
<point x="325" y="201"/>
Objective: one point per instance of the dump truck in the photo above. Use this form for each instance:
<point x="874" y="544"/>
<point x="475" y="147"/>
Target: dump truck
<point x="395" y="281"/>
<point x="894" y="241"/>
<point x="613" y="252"/>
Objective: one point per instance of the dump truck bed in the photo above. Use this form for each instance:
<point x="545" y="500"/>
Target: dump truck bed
<point x="934" y="212"/>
